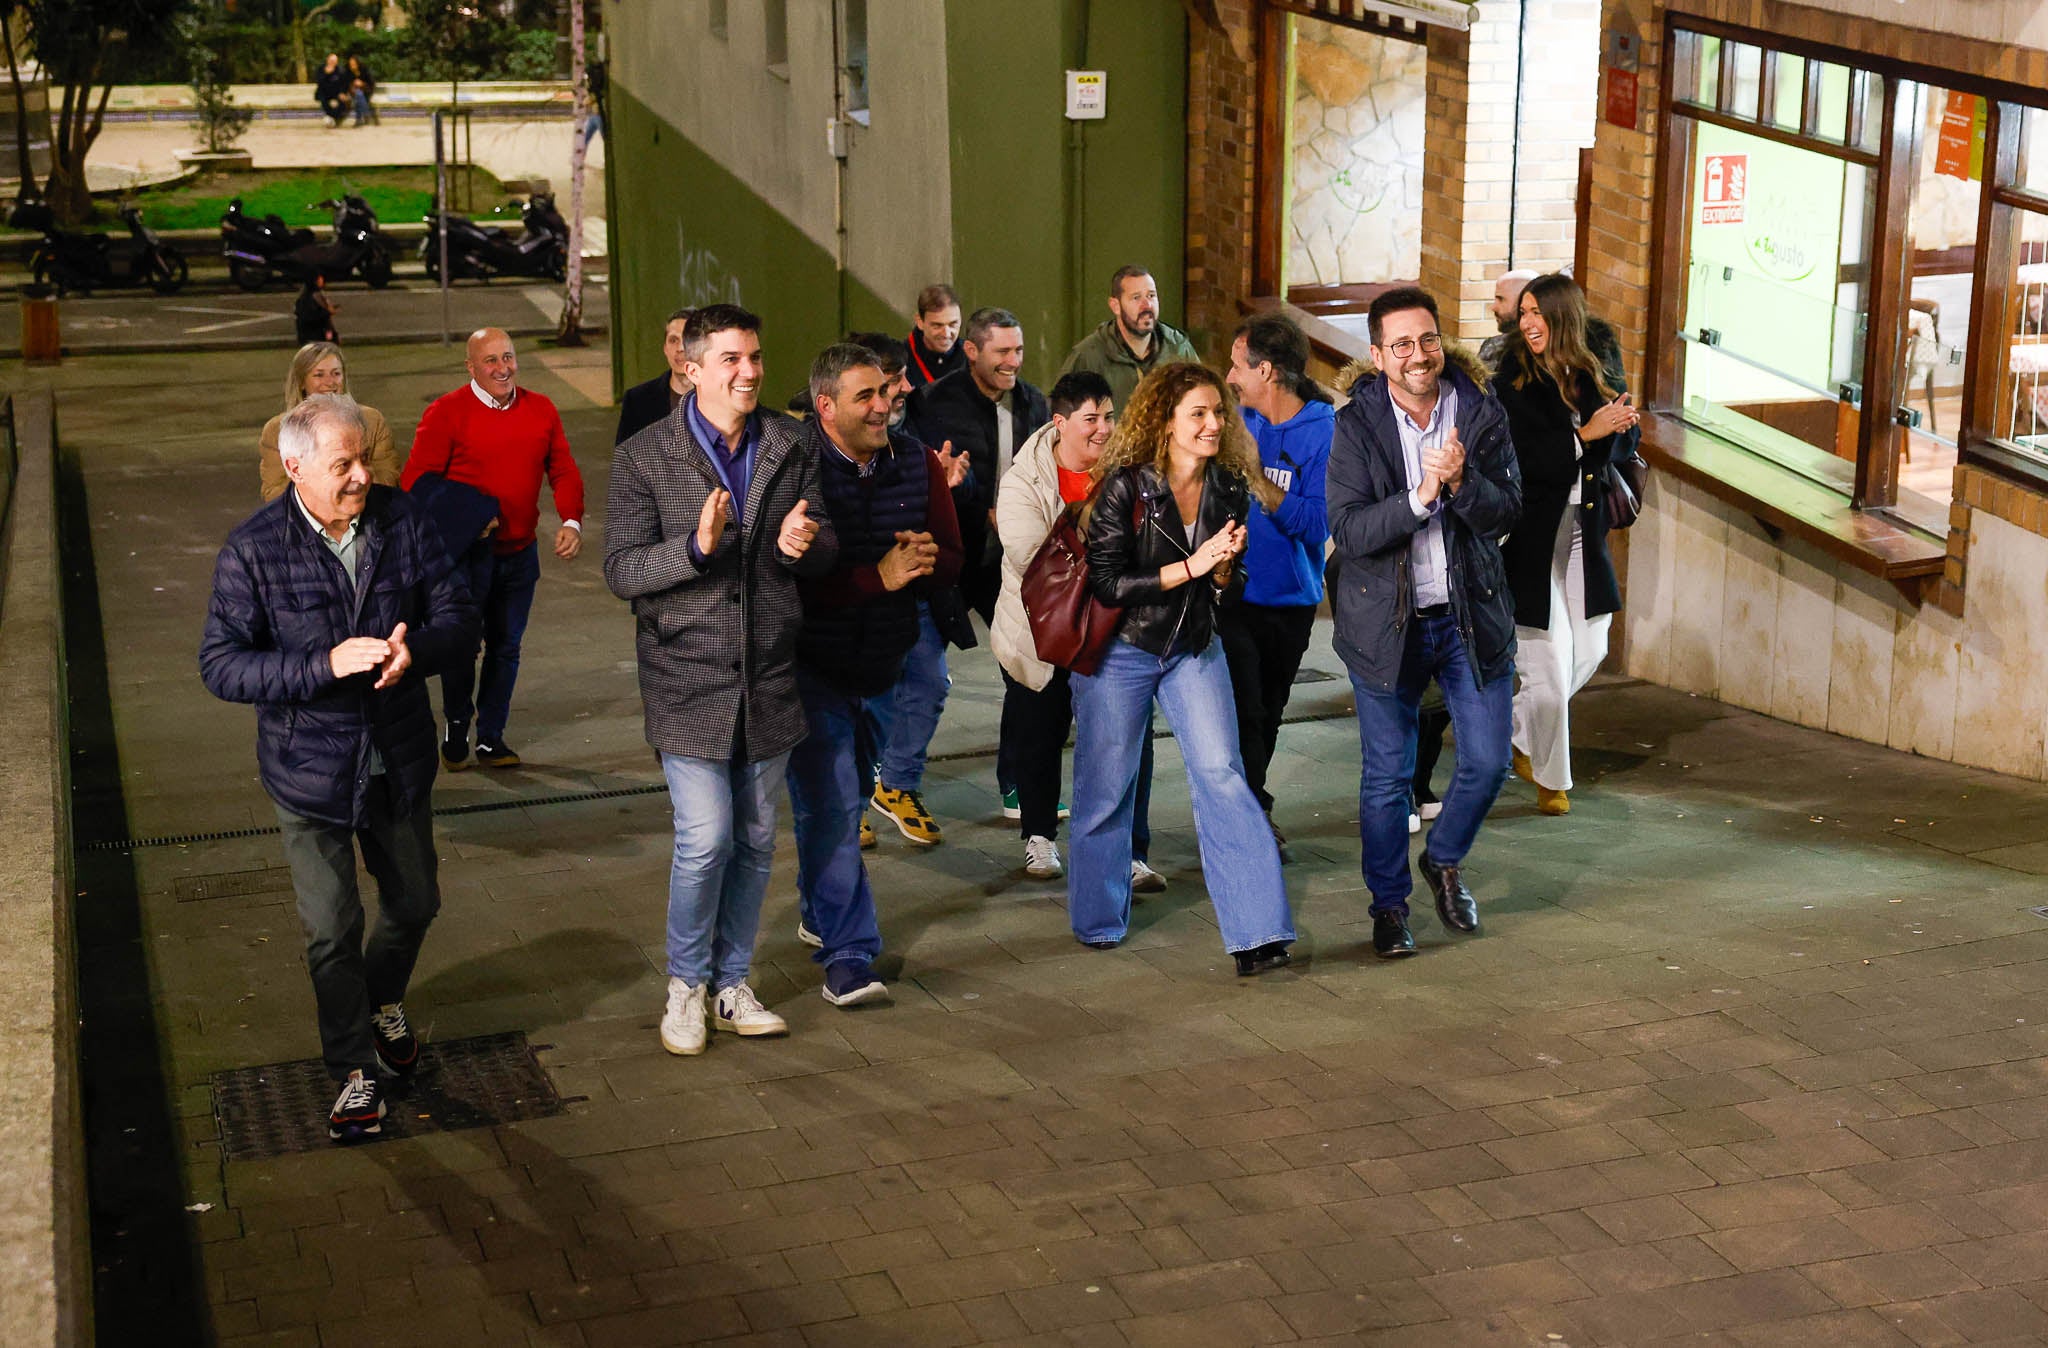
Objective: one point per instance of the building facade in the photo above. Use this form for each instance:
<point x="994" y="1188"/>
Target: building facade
<point x="1825" y="237"/>
<point x="820" y="161"/>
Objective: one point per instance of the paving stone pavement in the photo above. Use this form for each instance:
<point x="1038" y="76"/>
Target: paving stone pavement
<point x="1749" y="1053"/>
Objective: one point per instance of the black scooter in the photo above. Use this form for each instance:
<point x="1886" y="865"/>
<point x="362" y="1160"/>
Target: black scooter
<point x="79" y="262"/>
<point x="251" y="246"/>
<point x="541" y="249"/>
<point x="257" y="249"/>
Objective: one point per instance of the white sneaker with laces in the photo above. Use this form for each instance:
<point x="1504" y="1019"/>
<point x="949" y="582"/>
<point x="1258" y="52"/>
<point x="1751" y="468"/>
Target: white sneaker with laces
<point x="1042" y="858"/>
<point x="807" y="936"/>
<point x="682" y="1025"/>
<point x="1145" y="880"/>
<point x="1415" y="823"/>
<point x="1430" y="809"/>
<point x="737" y="1009"/>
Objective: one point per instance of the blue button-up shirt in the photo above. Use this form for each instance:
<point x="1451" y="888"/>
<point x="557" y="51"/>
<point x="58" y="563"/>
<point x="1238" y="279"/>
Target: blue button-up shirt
<point x="735" y="468"/>
<point x="1426" y="553"/>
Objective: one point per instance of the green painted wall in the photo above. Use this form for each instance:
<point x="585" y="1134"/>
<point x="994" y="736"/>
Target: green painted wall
<point x="686" y="232"/>
<point x="1045" y="209"/>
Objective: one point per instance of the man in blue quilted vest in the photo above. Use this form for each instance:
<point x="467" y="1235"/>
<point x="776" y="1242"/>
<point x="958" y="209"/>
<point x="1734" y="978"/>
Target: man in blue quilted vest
<point x="331" y="605"/>
<point x="891" y="507"/>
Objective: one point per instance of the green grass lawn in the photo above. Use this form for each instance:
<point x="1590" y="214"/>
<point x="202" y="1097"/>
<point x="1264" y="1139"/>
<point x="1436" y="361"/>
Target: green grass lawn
<point x="397" y="195"/>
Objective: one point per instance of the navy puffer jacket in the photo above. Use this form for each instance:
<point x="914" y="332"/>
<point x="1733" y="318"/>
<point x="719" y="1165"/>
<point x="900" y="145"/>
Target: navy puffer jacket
<point x="282" y="602"/>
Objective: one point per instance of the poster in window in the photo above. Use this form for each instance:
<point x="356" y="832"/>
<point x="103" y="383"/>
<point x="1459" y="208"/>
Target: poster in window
<point x="1959" y="148"/>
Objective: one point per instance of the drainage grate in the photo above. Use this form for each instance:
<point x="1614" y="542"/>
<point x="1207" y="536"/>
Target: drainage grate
<point x="234" y="884"/>
<point x="461" y="1083"/>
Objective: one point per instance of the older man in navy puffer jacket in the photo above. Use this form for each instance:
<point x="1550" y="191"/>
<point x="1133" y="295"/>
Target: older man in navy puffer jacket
<point x="330" y="606"/>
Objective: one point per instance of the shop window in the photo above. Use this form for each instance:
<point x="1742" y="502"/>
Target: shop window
<point x="853" y="17"/>
<point x="1941" y="267"/>
<point x="775" y="44"/>
<point x="1777" y="299"/>
<point x="1353" y="187"/>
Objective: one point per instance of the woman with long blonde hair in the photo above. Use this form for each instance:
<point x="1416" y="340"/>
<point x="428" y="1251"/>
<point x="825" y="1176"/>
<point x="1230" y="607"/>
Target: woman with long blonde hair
<point x="1165" y="528"/>
<point x="1569" y="416"/>
<point x="317" y="367"/>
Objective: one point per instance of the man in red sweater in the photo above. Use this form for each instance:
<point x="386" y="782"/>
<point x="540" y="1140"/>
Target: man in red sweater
<point x="502" y="440"/>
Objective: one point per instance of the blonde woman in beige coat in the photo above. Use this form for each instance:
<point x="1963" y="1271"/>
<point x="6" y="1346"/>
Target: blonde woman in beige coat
<point x="1051" y="471"/>
<point x="318" y="368"/>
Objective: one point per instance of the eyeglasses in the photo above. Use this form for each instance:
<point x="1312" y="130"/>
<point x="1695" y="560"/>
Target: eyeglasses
<point x="1431" y="342"/>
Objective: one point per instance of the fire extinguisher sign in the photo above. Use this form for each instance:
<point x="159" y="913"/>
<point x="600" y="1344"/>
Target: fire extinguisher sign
<point x="1727" y="189"/>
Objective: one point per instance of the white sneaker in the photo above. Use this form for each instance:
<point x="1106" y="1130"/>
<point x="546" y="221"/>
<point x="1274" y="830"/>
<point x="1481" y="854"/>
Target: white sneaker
<point x="1415" y="823"/>
<point x="682" y="1025"/>
<point x="1042" y="858"/>
<point x="809" y="937"/>
<point x="1430" y="810"/>
<point x="737" y="1009"/>
<point x="1145" y="880"/>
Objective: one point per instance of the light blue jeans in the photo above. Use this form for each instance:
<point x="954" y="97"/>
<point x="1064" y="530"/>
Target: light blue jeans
<point x="725" y="839"/>
<point x="901" y="722"/>
<point x="1240" y="863"/>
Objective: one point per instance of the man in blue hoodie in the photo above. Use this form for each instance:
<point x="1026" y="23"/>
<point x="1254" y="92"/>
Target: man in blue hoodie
<point x="1266" y="634"/>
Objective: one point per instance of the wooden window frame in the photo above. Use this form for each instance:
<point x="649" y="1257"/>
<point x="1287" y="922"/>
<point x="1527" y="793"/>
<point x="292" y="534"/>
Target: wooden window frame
<point x="1871" y="491"/>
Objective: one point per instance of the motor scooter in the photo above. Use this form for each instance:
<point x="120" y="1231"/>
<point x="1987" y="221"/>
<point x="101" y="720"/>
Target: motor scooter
<point x="359" y="247"/>
<point x="539" y="249"/>
<point x="82" y="261"/>
<point x="251" y="246"/>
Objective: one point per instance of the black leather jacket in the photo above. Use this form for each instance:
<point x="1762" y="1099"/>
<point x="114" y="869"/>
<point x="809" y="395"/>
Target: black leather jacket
<point x="1136" y="531"/>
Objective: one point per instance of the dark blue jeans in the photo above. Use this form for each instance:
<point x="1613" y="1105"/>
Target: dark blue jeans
<point x="503" y="589"/>
<point x="1482" y="717"/>
<point x="827" y="796"/>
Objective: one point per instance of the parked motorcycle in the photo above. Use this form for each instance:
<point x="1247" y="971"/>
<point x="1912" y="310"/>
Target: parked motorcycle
<point x="251" y="245"/>
<point x="540" y="248"/>
<point x="80" y="261"/>
<point x="256" y="250"/>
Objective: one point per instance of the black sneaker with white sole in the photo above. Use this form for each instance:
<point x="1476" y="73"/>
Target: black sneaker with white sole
<point x="358" y="1111"/>
<point x="398" y="1048"/>
<point x="455" y="746"/>
<point x="496" y="755"/>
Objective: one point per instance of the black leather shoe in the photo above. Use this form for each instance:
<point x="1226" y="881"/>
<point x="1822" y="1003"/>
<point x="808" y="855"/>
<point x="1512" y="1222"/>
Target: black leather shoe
<point x="1454" y="903"/>
<point x="1390" y="938"/>
<point x="1257" y="960"/>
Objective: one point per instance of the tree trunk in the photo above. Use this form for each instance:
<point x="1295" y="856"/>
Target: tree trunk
<point x="571" y="333"/>
<point x="28" y="178"/>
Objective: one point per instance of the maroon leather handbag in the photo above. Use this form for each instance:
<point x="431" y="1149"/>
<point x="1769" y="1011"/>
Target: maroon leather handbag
<point x="1070" y="627"/>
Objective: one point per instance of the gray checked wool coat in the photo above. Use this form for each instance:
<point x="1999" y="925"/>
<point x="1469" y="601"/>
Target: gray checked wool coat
<point x="711" y="642"/>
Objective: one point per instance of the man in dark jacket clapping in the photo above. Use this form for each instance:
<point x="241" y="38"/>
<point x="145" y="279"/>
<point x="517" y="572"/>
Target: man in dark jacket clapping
<point x="1422" y="484"/>
<point x="713" y="514"/>
<point x="330" y="606"/>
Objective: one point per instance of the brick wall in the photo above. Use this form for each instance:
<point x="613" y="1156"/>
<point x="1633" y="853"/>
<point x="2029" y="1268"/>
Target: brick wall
<point x="1472" y="176"/>
<point x="1223" y="116"/>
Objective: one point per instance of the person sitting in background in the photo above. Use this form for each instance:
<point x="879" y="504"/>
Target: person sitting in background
<point x="361" y="87"/>
<point x="318" y="368"/>
<point x="331" y="91"/>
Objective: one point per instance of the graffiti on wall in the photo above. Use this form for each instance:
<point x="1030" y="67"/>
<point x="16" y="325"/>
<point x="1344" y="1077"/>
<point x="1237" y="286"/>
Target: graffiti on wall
<point x="701" y="278"/>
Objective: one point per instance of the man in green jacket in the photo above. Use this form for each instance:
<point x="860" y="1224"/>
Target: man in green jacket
<point x="1133" y="341"/>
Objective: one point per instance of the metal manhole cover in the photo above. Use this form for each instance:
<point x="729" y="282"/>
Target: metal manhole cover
<point x="281" y="1108"/>
<point x="234" y="884"/>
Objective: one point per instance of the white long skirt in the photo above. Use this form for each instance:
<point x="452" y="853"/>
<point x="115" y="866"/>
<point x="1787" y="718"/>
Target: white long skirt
<point x="1555" y="662"/>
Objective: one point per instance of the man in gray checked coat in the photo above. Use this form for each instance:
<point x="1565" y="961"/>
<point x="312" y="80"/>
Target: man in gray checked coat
<point x="713" y="512"/>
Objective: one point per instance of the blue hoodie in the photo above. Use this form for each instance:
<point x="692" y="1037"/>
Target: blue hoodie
<point x="1284" y="553"/>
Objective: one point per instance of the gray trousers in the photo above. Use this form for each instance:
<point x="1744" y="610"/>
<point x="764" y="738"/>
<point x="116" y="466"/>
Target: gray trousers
<point x="351" y="979"/>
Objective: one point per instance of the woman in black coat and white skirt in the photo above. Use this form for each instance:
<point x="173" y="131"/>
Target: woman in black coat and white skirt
<point x="1569" y="415"/>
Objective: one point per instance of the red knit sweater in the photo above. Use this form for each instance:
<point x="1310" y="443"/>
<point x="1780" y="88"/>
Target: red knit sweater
<point x="503" y="453"/>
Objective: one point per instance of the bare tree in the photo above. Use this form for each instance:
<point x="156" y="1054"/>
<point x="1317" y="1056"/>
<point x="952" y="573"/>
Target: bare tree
<point x="571" y="333"/>
<point x="79" y="43"/>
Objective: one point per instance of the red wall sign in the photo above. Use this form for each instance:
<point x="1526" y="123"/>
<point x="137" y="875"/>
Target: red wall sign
<point x="1622" y="98"/>
<point x="1727" y="189"/>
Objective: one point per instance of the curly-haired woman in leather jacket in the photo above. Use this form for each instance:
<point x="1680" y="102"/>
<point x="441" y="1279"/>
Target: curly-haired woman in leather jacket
<point x="1165" y="528"/>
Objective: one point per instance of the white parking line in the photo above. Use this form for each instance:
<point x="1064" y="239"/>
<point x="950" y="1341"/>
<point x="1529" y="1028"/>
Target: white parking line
<point x="238" y="323"/>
